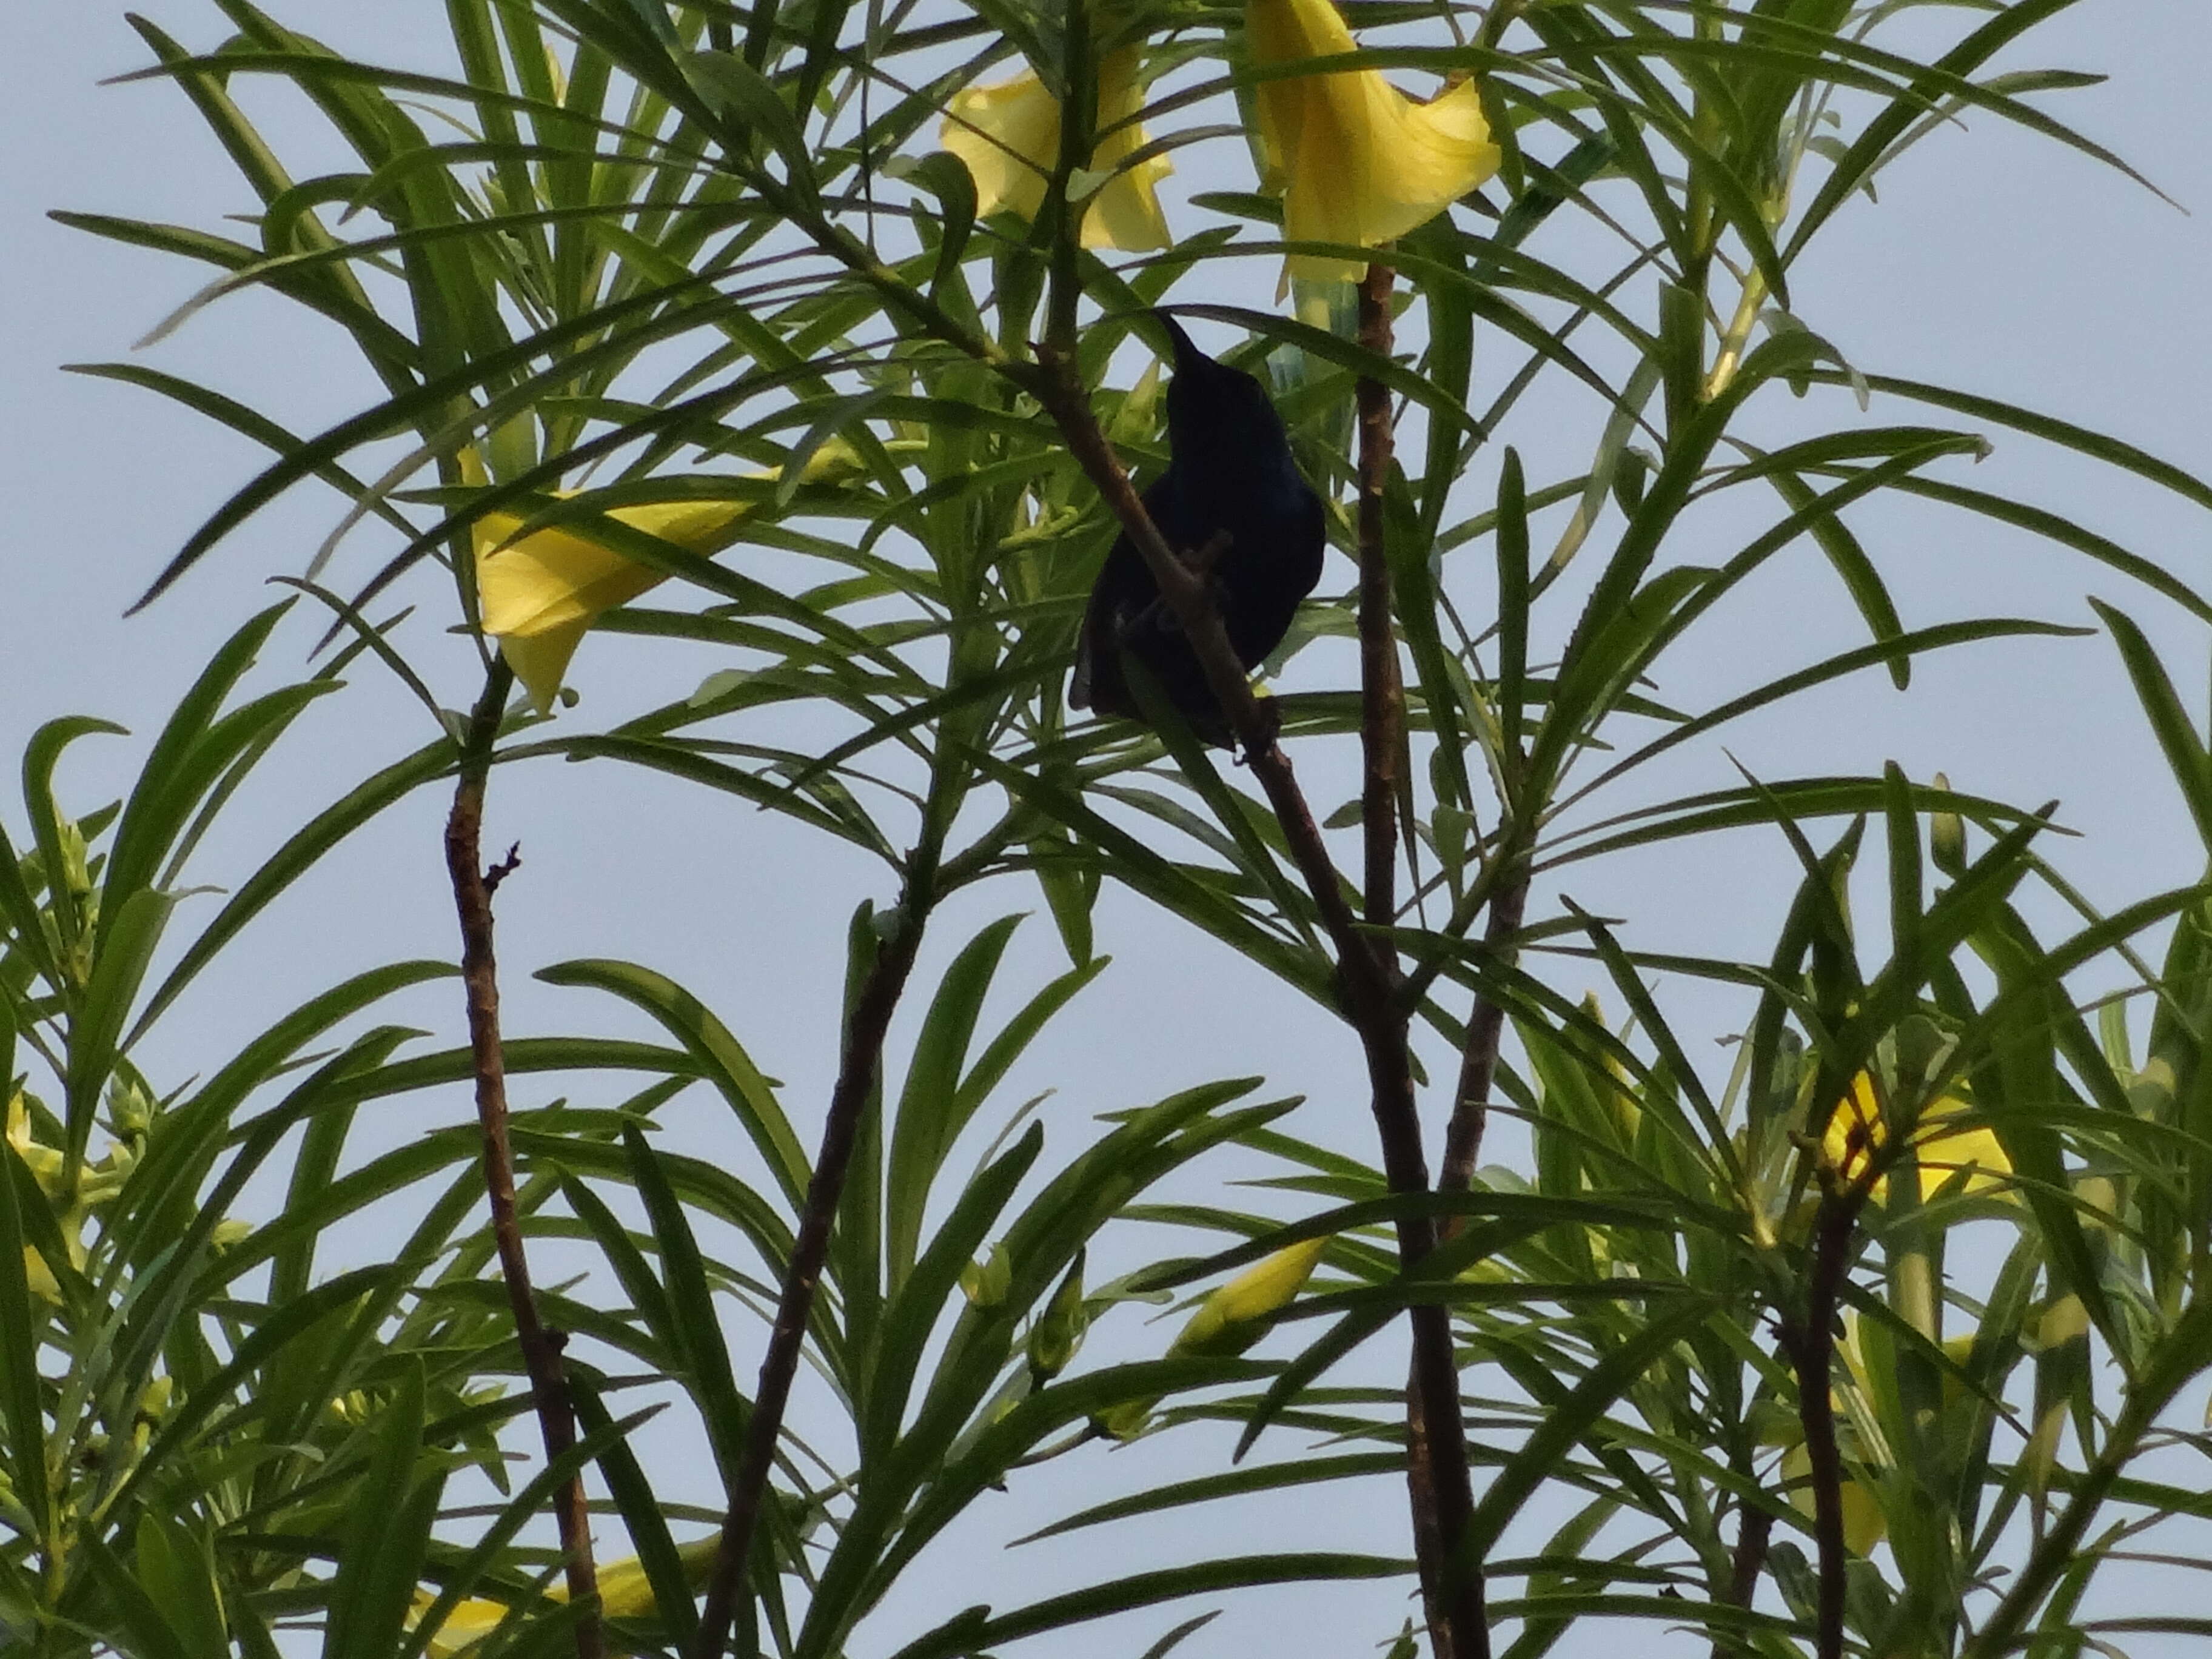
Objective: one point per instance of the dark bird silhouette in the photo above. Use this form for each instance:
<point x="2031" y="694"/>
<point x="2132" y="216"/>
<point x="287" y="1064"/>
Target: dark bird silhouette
<point x="1232" y="496"/>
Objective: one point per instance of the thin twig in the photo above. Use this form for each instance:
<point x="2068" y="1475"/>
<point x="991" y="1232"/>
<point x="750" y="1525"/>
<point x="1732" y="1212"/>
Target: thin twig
<point x="1749" y="1561"/>
<point x="865" y="1032"/>
<point x="1486" y="1030"/>
<point x="541" y="1348"/>
<point x="1382" y="691"/>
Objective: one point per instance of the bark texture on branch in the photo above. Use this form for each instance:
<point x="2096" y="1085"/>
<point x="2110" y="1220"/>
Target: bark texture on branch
<point x="1485" y="1032"/>
<point x="541" y="1348"/>
<point x="1811" y="1347"/>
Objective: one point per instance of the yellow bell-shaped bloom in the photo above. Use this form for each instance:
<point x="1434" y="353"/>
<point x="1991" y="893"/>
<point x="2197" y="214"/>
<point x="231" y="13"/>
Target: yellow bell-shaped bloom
<point x="538" y="595"/>
<point x="1855" y="1132"/>
<point x="1355" y="159"/>
<point x="1008" y="134"/>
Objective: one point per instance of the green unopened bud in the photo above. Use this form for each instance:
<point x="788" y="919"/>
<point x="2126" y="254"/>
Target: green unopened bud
<point x="1059" y="1330"/>
<point x="1127" y="1420"/>
<point x="1946" y="836"/>
<point x="985" y="1283"/>
<point x="351" y="1408"/>
<point x="130" y="1108"/>
<point x="76" y="871"/>
<point x="153" y="1399"/>
<point x="228" y="1234"/>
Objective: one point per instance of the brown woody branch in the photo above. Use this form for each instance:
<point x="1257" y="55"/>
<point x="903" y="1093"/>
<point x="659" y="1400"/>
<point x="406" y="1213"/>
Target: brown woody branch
<point x="1366" y="981"/>
<point x="541" y="1348"/>
<point x="1438" y="1482"/>
<point x="1811" y="1348"/>
<point x="1486" y="1030"/>
<point x="865" y="1032"/>
<point x="1382" y="691"/>
<point x="1745" y="1567"/>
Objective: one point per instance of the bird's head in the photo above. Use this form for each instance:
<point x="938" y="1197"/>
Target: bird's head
<point x="1213" y="409"/>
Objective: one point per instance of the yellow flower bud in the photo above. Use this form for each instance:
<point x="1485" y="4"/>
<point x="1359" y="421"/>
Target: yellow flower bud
<point x="624" y="1593"/>
<point x="1229" y="1320"/>
<point x="1864" y="1524"/>
<point x="40" y="1277"/>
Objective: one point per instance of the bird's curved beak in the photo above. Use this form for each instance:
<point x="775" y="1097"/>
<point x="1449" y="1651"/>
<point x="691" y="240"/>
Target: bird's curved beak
<point x="1186" y="354"/>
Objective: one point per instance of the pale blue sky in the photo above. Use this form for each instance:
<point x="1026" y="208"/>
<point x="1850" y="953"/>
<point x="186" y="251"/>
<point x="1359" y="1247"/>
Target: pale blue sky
<point x="1994" y="260"/>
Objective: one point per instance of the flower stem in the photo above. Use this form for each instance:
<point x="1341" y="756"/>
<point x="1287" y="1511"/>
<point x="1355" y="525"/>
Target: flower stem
<point x="541" y="1348"/>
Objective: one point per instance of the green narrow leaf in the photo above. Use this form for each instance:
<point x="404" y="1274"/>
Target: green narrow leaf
<point x="155" y="813"/>
<point x="721" y="1058"/>
<point x="690" y="1297"/>
<point x="40" y="755"/>
<point x="924" y="1126"/>
<point x="2185" y="750"/>
<point x="1568" y="1422"/>
<point x="389" y="1533"/>
<point x="300" y="852"/>
<point x="126" y="949"/>
<point x="19" y="1360"/>
<point x="933" y="1285"/>
<point x="146" y="1634"/>
<point x="641" y="1514"/>
<point x="1860" y="578"/>
<point x="177" y="1573"/>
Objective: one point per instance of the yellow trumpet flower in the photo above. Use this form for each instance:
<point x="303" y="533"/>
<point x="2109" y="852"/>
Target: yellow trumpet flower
<point x="1008" y="134"/>
<point x="1354" y="159"/>
<point x="1855" y="1132"/>
<point x="538" y="596"/>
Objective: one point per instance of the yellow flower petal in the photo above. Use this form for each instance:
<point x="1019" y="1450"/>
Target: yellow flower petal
<point x="1355" y="159"/>
<point x="539" y="595"/>
<point x="624" y="1593"/>
<point x="1008" y="134"/>
<point x="1864" y="1524"/>
<point x="40" y="1277"/>
<point x="467" y="1623"/>
<point x="1855" y="1132"/>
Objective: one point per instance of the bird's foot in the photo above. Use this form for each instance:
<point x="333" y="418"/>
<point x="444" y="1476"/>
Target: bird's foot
<point x="1271" y="725"/>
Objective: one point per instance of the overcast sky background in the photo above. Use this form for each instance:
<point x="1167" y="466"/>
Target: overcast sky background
<point x="1995" y="261"/>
